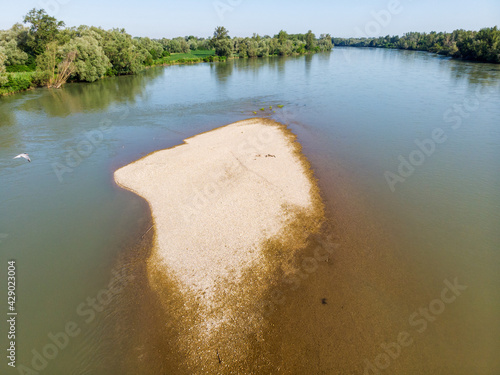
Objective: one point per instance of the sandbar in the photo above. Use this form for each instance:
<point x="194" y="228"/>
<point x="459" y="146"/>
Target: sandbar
<point x="219" y="201"/>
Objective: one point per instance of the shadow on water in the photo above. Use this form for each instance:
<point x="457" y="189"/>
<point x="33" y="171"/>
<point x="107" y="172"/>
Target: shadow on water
<point x="308" y="64"/>
<point x="306" y="315"/>
<point x="473" y="73"/>
<point x="96" y="96"/>
<point x="132" y="334"/>
<point x="222" y="70"/>
<point x="7" y="117"/>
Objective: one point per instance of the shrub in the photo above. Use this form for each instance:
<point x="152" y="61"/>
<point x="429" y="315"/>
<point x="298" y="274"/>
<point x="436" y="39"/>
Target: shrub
<point x="41" y="78"/>
<point x="17" y="82"/>
<point x="18" y="68"/>
<point x="149" y="61"/>
<point x="212" y="58"/>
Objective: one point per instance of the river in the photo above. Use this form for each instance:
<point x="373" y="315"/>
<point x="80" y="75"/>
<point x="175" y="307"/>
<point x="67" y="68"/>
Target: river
<point x="406" y="149"/>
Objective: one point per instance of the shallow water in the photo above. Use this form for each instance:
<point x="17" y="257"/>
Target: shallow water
<point x="355" y="111"/>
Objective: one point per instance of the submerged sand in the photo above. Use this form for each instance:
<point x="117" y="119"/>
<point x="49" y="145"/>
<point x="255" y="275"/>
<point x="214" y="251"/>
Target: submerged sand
<point x="220" y="202"/>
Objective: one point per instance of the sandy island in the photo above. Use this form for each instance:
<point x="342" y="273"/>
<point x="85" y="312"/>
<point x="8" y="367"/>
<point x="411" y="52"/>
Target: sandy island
<point x="230" y="207"/>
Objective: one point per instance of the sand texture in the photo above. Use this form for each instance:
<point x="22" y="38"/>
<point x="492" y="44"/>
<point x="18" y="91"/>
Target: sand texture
<point x="219" y="202"/>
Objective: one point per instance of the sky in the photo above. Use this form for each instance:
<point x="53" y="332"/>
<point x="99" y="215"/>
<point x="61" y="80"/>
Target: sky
<point x="347" y="18"/>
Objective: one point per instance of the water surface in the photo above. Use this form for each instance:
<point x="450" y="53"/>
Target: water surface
<point x="72" y="231"/>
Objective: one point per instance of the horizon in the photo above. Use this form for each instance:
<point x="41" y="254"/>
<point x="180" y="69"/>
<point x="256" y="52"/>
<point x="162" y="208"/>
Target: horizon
<point x="242" y="18"/>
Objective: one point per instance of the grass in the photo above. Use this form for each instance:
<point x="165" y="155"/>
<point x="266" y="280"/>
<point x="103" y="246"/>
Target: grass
<point x="18" y="81"/>
<point x="198" y="54"/>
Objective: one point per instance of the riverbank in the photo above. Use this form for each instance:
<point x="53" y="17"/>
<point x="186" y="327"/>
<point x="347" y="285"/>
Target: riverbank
<point x="27" y="80"/>
<point x="230" y="209"/>
<point x="460" y="44"/>
<point x="22" y="81"/>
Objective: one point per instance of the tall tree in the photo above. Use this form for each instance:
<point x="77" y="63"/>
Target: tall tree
<point x="325" y="42"/>
<point x="282" y="37"/>
<point x="90" y="62"/>
<point x="222" y="42"/>
<point x="310" y="41"/>
<point x="57" y="64"/>
<point x="123" y="52"/>
<point x="43" y="30"/>
<point x="3" y="77"/>
<point x="10" y="40"/>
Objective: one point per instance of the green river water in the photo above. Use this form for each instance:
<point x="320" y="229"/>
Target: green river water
<point x="406" y="149"/>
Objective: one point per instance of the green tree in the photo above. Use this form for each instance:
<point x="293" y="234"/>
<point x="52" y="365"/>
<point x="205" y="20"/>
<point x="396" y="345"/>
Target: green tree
<point x="3" y="76"/>
<point x="483" y="45"/>
<point x="325" y="42"/>
<point x="310" y="41"/>
<point x="14" y="56"/>
<point x="9" y="41"/>
<point x="273" y="46"/>
<point x="43" y="30"/>
<point x="222" y="42"/>
<point x="193" y="44"/>
<point x="125" y="55"/>
<point x="184" y="46"/>
<point x="177" y="45"/>
<point x="91" y="63"/>
<point x="204" y="44"/>
<point x="55" y="65"/>
<point x="174" y="46"/>
<point x="299" y="48"/>
<point x="282" y="37"/>
<point x="242" y="49"/>
<point x="252" y="47"/>
<point x="153" y="47"/>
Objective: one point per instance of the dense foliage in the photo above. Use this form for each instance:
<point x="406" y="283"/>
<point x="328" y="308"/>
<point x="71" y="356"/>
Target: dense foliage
<point x="43" y="30"/>
<point x="483" y="45"/>
<point x="45" y="52"/>
<point x="282" y="44"/>
<point x="3" y="77"/>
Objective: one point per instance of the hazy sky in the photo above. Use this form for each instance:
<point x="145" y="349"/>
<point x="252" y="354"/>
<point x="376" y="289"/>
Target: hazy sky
<point x="165" y="18"/>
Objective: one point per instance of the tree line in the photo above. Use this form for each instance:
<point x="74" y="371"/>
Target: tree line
<point x="482" y="45"/>
<point x="41" y="51"/>
<point x="50" y="54"/>
<point x="282" y="44"/>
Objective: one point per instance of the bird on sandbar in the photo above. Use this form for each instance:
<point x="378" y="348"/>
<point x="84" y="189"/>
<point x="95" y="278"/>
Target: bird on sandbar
<point x="23" y="155"/>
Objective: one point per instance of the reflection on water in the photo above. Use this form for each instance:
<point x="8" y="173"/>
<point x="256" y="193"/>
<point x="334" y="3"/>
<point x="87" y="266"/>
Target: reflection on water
<point x="81" y="97"/>
<point x="6" y="115"/>
<point x="222" y="71"/>
<point x="355" y="111"/>
<point x="308" y="60"/>
<point x="486" y="74"/>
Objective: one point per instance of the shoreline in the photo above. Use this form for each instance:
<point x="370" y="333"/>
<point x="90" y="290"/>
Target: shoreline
<point x="240" y="201"/>
<point x="180" y="61"/>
